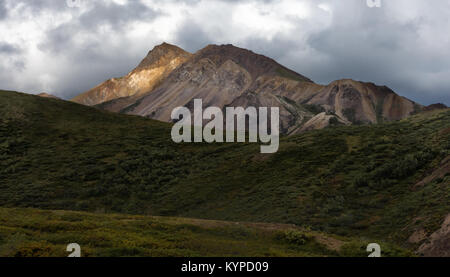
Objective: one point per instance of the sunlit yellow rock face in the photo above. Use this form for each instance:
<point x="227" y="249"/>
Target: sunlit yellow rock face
<point x="158" y="64"/>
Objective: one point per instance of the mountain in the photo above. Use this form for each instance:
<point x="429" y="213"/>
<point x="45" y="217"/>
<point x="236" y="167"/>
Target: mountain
<point x="154" y="68"/>
<point x="438" y="106"/>
<point x="387" y="182"/>
<point x="226" y="75"/>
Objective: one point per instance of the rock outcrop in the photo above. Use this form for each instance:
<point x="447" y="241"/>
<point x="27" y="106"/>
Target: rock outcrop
<point x="47" y="95"/>
<point x="438" y="244"/>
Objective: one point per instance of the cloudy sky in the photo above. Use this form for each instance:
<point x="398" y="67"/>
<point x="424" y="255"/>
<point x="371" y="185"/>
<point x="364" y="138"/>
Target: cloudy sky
<point x="65" y="48"/>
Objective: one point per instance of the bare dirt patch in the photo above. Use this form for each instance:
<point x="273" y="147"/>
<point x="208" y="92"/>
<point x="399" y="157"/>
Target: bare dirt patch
<point x="440" y="172"/>
<point x="418" y="236"/>
<point x="438" y="244"/>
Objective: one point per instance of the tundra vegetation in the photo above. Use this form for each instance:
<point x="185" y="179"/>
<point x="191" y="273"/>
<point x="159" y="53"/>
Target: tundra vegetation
<point x="354" y="183"/>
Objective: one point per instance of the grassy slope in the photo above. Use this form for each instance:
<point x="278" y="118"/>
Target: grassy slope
<point x="351" y="181"/>
<point x="30" y="232"/>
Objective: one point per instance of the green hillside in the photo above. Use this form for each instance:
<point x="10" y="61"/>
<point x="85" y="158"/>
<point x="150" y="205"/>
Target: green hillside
<point x="38" y="233"/>
<point x="357" y="181"/>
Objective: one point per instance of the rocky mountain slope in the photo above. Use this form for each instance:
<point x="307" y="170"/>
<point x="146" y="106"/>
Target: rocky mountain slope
<point x="438" y="106"/>
<point x="154" y="68"/>
<point x="226" y="75"/>
<point x="438" y="243"/>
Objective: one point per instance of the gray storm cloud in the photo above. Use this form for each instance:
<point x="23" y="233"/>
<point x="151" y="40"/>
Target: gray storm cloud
<point x="48" y="46"/>
<point x="3" y="10"/>
<point x="9" y="49"/>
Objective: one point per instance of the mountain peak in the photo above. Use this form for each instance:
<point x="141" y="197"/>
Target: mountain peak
<point x="163" y="50"/>
<point x="256" y="64"/>
<point x="154" y="68"/>
<point x="437" y="106"/>
<point x="223" y="46"/>
<point x="224" y="49"/>
<point x="167" y="46"/>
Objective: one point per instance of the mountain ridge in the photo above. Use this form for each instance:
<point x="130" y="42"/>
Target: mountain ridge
<point x="226" y="75"/>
